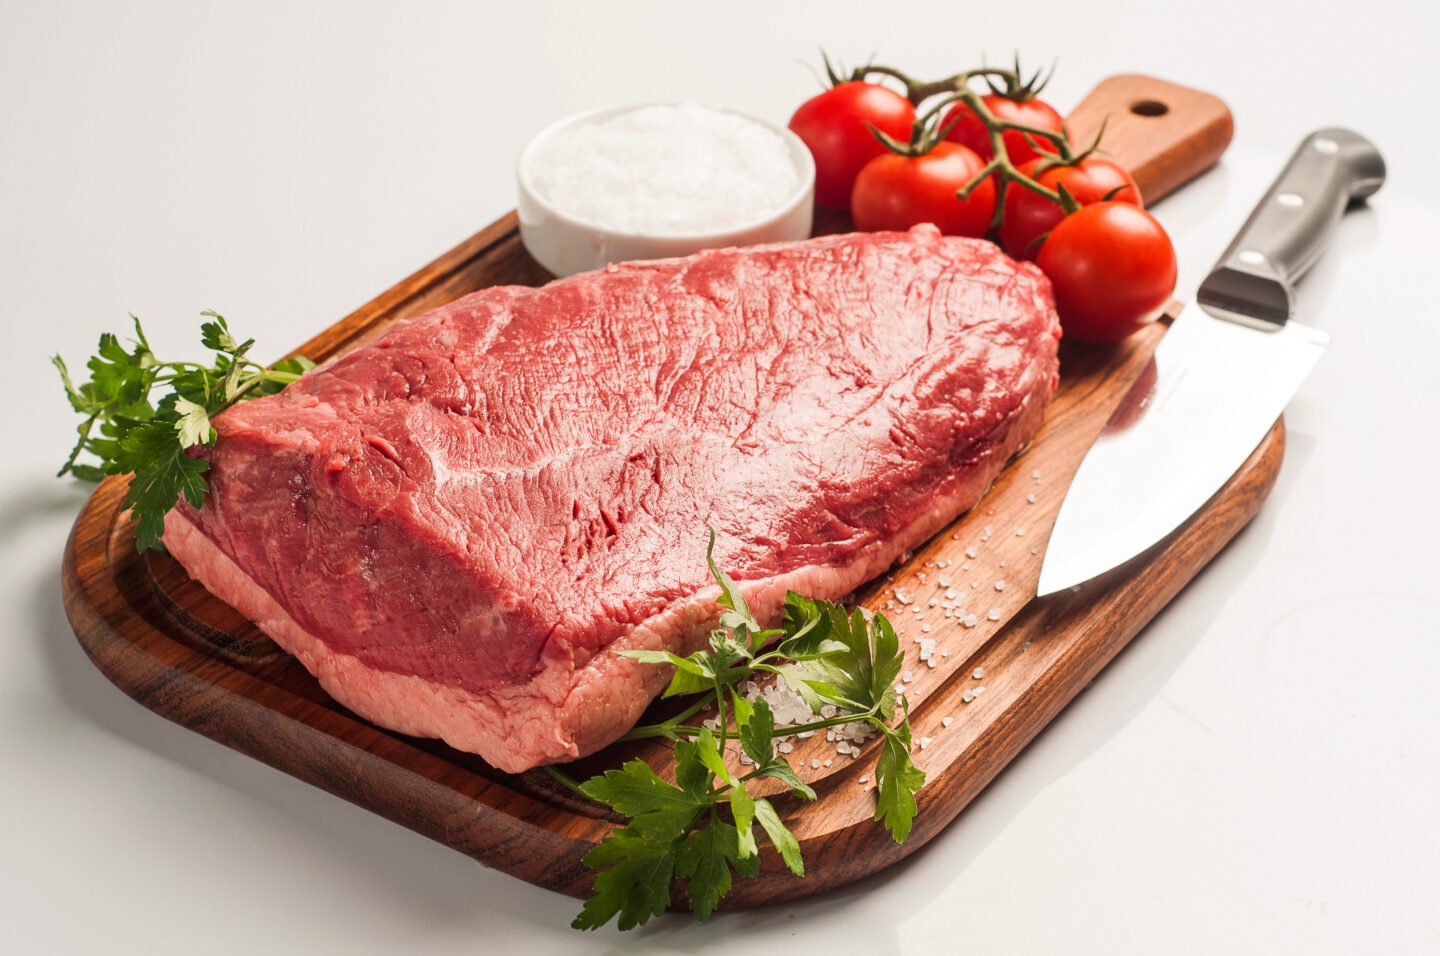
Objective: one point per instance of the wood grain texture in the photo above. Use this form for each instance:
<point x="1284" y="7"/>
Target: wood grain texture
<point x="173" y="647"/>
<point x="1164" y="133"/>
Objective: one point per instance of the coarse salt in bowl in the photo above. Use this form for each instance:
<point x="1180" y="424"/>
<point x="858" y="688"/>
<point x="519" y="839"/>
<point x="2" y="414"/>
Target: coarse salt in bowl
<point x="659" y="180"/>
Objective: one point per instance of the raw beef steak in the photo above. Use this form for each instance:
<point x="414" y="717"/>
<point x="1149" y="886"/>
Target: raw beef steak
<point x="454" y="526"/>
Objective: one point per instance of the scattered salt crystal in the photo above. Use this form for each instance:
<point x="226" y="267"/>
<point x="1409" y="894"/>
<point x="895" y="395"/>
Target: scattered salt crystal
<point x="979" y="691"/>
<point x="943" y="580"/>
<point x="1031" y="498"/>
<point x="934" y="602"/>
<point x="1000" y="585"/>
<point x="827" y="763"/>
<point x="1035" y="549"/>
<point x="946" y="721"/>
<point x="988" y="532"/>
<point x="972" y="552"/>
<point x="926" y="741"/>
<point x="951" y="594"/>
<point x="864" y="778"/>
<point x="1019" y="532"/>
<point x="805" y="734"/>
<point x="968" y="696"/>
<point x="907" y="677"/>
<point x="1035" y="474"/>
<point x="925" y="628"/>
<point x="978" y="673"/>
<point x="931" y="663"/>
<point x="814" y="763"/>
<point x="974" y="584"/>
<point x="970" y="620"/>
<point x="944" y="653"/>
<point x="966" y="566"/>
<point x="943" y="564"/>
<point x="927" y="648"/>
<point x="994" y="615"/>
<point x="828" y="710"/>
<point x="785" y="746"/>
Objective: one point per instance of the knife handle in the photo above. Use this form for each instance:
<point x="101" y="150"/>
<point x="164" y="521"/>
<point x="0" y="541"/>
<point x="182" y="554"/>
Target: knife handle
<point x="1291" y="226"/>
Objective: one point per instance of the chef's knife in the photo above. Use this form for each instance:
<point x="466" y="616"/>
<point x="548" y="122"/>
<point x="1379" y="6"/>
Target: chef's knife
<point x="1224" y="372"/>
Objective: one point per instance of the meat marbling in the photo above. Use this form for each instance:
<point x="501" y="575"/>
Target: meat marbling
<point x="453" y="526"/>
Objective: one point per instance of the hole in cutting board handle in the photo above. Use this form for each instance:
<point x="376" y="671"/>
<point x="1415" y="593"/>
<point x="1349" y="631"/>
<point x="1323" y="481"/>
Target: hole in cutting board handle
<point x="1149" y="108"/>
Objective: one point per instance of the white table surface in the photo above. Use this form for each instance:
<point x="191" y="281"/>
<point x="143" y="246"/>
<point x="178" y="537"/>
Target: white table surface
<point x="1259" y="772"/>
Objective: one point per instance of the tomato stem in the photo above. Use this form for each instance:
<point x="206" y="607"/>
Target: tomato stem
<point x="917" y="92"/>
<point x="928" y="130"/>
<point x="1001" y="167"/>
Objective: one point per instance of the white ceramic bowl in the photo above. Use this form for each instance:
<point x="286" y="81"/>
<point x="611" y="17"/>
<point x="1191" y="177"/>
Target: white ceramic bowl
<point x="566" y="245"/>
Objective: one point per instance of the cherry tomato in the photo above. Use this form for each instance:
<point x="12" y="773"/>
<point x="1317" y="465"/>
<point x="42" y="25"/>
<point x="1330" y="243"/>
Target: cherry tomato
<point x="1113" y="269"/>
<point x="832" y="124"/>
<point x="1029" y="215"/>
<point x="897" y="192"/>
<point x="969" y="131"/>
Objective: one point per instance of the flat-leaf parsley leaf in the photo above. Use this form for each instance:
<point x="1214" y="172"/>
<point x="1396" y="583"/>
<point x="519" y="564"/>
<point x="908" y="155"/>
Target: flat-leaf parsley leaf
<point x="702" y="828"/>
<point x="129" y="434"/>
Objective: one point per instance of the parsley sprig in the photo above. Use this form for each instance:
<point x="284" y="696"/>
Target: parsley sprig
<point x="701" y="828"/>
<point x="130" y="434"/>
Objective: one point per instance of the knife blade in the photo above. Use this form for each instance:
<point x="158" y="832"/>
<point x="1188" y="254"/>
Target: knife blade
<point x="1224" y="371"/>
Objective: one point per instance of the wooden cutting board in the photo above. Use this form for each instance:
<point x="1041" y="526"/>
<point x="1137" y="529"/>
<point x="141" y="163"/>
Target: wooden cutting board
<point x="173" y="647"/>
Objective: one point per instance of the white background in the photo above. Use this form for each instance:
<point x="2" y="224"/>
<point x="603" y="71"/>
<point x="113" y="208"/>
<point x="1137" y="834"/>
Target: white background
<point x="1259" y="772"/>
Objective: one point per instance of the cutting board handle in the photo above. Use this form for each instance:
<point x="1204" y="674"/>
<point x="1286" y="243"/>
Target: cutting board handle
<point x="1164" y="133"/>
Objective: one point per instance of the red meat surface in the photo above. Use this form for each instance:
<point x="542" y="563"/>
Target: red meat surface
<point x="454" y="526"/>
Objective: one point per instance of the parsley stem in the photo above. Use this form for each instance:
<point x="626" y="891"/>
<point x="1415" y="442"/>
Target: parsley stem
<point x="690" y="730"/>
<point x="564" y="778"/>
<point x="723" y="721"/>
<point x="84" y="432"/>
<point x="665" y="728"/>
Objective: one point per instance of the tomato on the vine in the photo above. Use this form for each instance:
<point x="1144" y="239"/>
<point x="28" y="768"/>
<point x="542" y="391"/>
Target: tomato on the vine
<point x="1112" y="267"/>
<point x="1029" y="215"/>
<point x="833" y="125"/>
<point x="969" y="129"/>
<point x="895" y="191"/>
